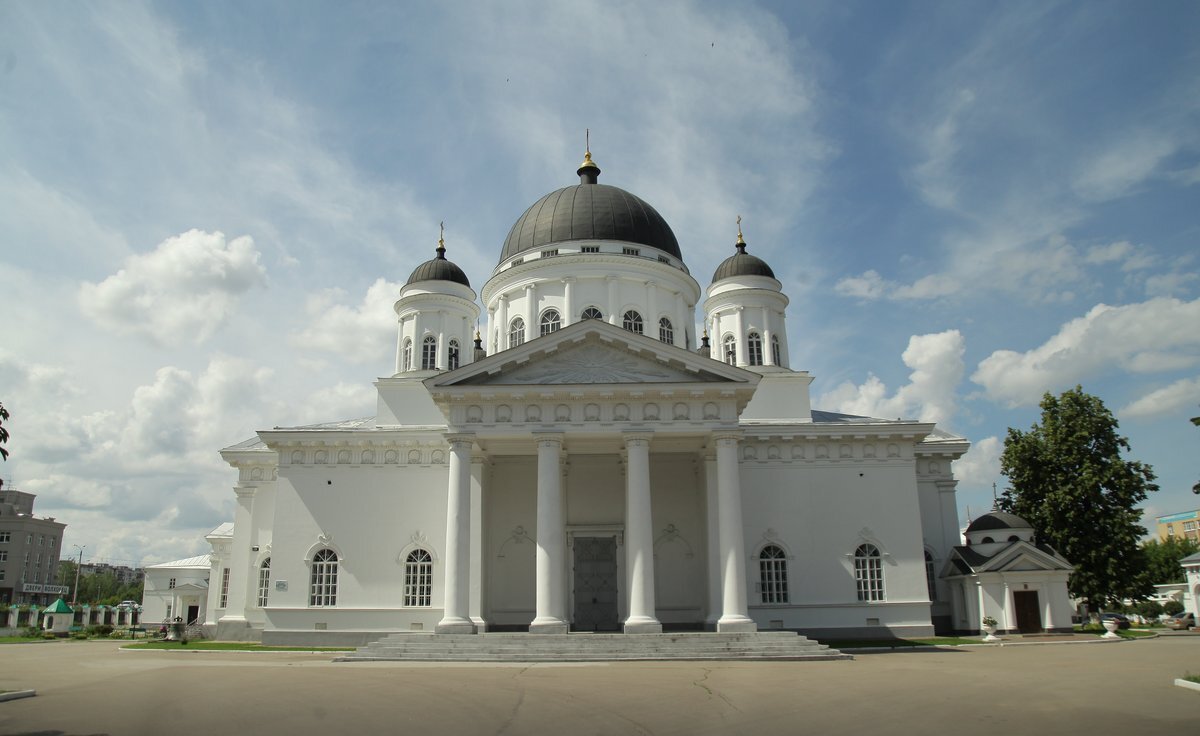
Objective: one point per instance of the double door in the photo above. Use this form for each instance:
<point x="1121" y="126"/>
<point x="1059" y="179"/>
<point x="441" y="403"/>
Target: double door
<point x="595" y="584"/>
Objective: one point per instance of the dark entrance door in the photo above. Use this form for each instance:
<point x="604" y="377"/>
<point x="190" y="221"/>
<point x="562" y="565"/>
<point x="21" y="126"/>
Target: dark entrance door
<point x="595" y="593"/>
<point x="1029" y="613"/>
<point x="193" y="613"/>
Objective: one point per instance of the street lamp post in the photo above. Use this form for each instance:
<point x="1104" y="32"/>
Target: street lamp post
<point x="75" y="595"/>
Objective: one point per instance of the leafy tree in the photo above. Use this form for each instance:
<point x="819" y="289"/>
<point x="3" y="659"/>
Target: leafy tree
<point x="1069" y="481"/>
<point x="1172" y="607"/>
<point x="1161" y="559"/>
<point x="1148" y="609"/>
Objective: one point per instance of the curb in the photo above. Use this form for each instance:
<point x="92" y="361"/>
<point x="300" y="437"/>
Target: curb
<point x="18" y="694"/>
<point x="1187" y="684"/>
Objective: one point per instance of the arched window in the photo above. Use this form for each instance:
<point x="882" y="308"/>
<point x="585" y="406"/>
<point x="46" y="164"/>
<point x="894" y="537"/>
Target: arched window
<point x="1014" y="538"/>
<point x="729" y="348"/>
<point x="754" y="348"/>
<point x="775" y="350"/>
<point x="407" y="362"/>
<point x="452" y="355"/>
<point x="429" y="353"/>
<point x="550" y="321"/>
<point x="592" y="313"/>
<point x="322" y="589"/>
<point x="418" y="578"/>
<point x="516" y="332"/>
<point x="930" y="576"/>
<point x="772" y="574"/>
<point x="666" y="332"/>
<point x="868" y="572"/>
<point x="632" y="321"/>
<point x="264" y="582"/>
<point x="986" y="540"/>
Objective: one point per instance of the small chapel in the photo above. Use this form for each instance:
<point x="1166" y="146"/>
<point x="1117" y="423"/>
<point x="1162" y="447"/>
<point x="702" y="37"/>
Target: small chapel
<point x="614" y="449"/>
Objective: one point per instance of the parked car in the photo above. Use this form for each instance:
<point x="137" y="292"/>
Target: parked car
<point x="1122" y="621"/>
<point x="1182" y="621"/>
<point x="127" y="604"/>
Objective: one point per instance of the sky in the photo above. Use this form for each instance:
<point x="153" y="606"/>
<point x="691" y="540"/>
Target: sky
<point x="207" y="211"/>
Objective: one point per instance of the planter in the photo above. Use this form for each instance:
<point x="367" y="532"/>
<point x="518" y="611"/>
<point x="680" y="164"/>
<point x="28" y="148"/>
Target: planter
<point x="990" y="631"/>
<point x="1110" y="629"/>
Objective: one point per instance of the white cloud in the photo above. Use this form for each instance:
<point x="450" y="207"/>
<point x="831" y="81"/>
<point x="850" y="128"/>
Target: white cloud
<point x="937" y="363"/>
<point x="180" y="292"/>
<point x="1109" y="253"/>
<point x="935" y="175"/>
<point x="980" y="467"/>
<point x="868" y="286"/>
<point x="1150" y="336"/>
<point x="1113" y="172"/>
<point x="1182" y="395"/>
<point x="363" y="334"/>
<point x="1169" y="284"/>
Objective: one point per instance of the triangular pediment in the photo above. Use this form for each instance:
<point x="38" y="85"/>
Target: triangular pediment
<point x="589" y="353"/>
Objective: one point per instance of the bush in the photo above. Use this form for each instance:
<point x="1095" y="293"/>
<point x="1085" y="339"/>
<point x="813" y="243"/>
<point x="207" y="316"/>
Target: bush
<point x="117" y="634"/>
<point x="1172" y="607"/>
<point x="99" y="629"/>
<point x="1149" y="609"/>
<point x="33" y="631"/>
<point x="49" y="635"/>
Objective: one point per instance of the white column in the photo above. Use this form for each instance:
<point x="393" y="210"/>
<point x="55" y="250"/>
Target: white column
<point x="569" y="317"/>
<point x="681" y="324"/>
<point x="502" y="333"/>
<point x="733" y="550"/>
<point x="784" y="359"/>
<point x="639" y="538"/>
<point x="456" y="606"/>
<point x="767" y="333"/>
<point x="651" y="307"/>
<point x="551" y="536"/>
<point x="713" y="541"/>
<point x="439" y="358"/>
<point x="475" y="604"/>
<point x="613" y="304"/>
<point x="489" y="335"/>
<point x="531" y="312"/>
<point x="399" y="343"/>
<point x="739" y="331"/>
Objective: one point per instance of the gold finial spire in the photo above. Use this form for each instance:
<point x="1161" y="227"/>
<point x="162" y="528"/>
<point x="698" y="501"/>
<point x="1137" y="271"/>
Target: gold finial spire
<point x="441" y="249"/>
<point x="741" y="240"/>
<point x="588" y="163"/>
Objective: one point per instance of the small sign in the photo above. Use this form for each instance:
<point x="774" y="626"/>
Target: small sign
<point x="281" y="586"/>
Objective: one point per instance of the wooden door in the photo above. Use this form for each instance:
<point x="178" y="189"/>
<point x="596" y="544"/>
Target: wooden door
<point x="1029" y="611"/>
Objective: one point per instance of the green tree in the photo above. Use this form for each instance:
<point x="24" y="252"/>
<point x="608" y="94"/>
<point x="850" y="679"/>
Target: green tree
<point x="1068" y="479"/>
<point x="1161" y="559"/>
<point x="1172" y="607"/>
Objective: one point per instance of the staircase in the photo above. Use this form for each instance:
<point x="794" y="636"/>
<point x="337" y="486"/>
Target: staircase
<point x="587" y="647"/>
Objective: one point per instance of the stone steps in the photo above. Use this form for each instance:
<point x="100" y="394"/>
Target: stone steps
<point x="588" y="647"/>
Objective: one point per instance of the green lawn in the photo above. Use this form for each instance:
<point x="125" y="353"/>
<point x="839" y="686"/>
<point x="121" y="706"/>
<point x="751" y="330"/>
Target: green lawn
<point x="1191" y="678"/>
<point x="22" y="639"/>
<point x="952" y="641"/>
<point x="229" y="646"/>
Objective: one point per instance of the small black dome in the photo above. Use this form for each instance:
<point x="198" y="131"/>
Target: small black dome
<point x="439" y="269"/>
<point x="590" y="211"/>
<point x="742" y="264"/>
<point x="998" y="520"/>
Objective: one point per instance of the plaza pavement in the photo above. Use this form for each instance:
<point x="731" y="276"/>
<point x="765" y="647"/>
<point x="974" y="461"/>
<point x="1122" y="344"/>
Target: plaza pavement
<point x="1099" y="688"/>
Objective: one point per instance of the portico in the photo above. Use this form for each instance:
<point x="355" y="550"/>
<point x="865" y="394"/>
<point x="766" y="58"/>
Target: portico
<point x="608" y="498"/>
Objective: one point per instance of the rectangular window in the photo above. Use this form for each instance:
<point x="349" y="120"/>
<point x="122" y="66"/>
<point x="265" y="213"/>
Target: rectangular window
<point x="1189" y="526"/>
<point x="551" y="252"/>
<point x="224" y="587"/>
<point x="1170" y="530"/>
<point x="3" y="555"/>
<point x="664" y="259"/>
<point x="37" y="560"/>
<point x="28" y="539"/>
<point x="171" y="584"/>
<point x="53" y="540"/>
<point x="590" y="249"/>
<point x="5" y="537"/>
<point x="41" y="539"/>
<point x="631" y="251"/>
<point x="168" y="610"/>
<point x="518" y="261"/>
<point x="1" y="574"/>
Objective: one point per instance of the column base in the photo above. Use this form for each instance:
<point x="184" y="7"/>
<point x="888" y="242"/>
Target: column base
<point x="736" y="625"/>
<point x="642" y="625"/>
<point x="455" y="626"/>
<point x="548" y="626"/>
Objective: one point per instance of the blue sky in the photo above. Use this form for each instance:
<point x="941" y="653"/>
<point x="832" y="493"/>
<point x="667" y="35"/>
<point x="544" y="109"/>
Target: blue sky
<point x="208" y="208"/>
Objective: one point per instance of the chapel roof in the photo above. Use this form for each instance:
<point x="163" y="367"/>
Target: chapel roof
<point x="998" y="520"/>
<point x="742" y="263"/>
<point x="197" y="561"/>
<point x="439" y="269"/>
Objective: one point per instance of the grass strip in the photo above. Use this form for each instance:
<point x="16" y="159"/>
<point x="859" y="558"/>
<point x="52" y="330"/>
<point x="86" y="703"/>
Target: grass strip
<point x="229" y="646"/>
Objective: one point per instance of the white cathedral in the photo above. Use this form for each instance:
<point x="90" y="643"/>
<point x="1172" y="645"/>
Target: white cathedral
<point x="590" y="463"/>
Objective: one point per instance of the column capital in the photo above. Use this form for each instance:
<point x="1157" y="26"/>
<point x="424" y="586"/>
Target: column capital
<point x="544" y="438"/>
<point x="569" y="279"/>
<point x="245" y="491"/>
<point x="636" y="438"/>
<point x="725" y="436"/>
<point x="459" y="438"/>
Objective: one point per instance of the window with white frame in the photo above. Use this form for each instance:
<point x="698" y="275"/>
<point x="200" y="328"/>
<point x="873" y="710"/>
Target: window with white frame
<point x="3" y="555"/>
<point x="171" y="584"/>
<point x="452" y="355"/>
<point x="550" y="322"/>
<point x="322" y="588"/>
<point x="406" y="363"/>
<point x="775" y="350"/>
<point x="868" y="572"/>
<point x="631" y="251"/>
<point x="754" y="349"/>
<point x="592" y="313"/>
<point x="729" y="348"/>
<point x="666" y="331"/>
<point x="429" y="353"/>
<point x="632" y="321"/>
<point x="516" y="332"/>
<point x="772" y="574"/>
<point x="590" y="249"/>
<point x="5" y="537"/>
<point x="930" y="576"/>
<point x="224" y="588"/>
<point x="264" y="583"/>
<point x="418" y="578"/>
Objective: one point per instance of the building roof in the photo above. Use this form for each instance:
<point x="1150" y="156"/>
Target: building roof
<point x="998" y="520"/>
<point x="58" y="606"/>
<point x="224" y="530"/>
<point x="742" y="264"/>
<point x="204" y="561"/>
<point x="439" y="269"/>
<point x="590" y="211"/>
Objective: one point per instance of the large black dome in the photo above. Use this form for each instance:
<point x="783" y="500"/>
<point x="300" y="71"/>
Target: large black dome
<point x="590" y="211"/>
